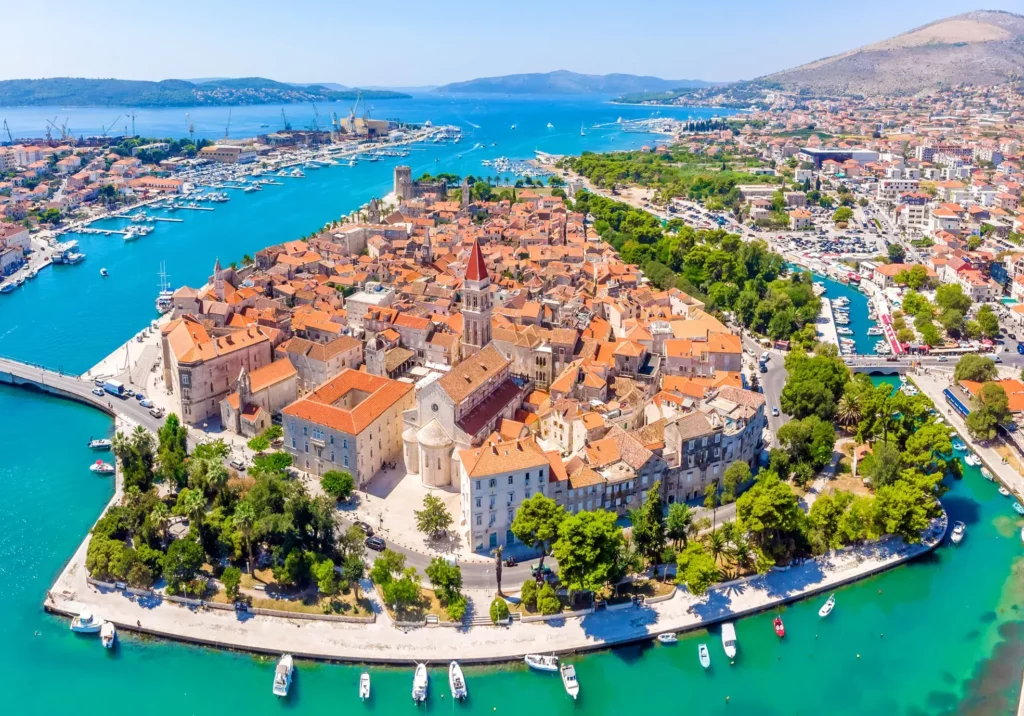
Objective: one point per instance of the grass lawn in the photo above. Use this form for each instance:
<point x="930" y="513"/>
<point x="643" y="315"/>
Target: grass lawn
<point x="428" y="604"/>
<point x="309" y="604"/>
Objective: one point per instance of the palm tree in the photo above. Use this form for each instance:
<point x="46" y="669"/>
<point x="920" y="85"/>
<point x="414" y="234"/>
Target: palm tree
<point x="717" y="544"/>
<point x="497" y="567"/>
<point x="193" y="505"/>
<point x="161" y="516"/>
<point x="742" y="551"/>
<point x="245" y="519"/>
<point x="848" y="411"/>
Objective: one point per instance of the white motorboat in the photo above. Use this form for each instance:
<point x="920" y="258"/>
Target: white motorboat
<point x="457" y="681"/>
<point x="550" y="126"/>
<point x="729" y="640"/>
<point x="108" y="635"/>
<point x="959" y="445"/>
<point x="542" y="662"/>
<point x="103" y="444"/>
<point x="283" y="675"/>
<point x="987" y="475"/>
<point x="1004" y="492"/>
<point x="957" y="536"/>
<point x="972" y="459"/>
<point x="419" y="684"/>
<point x="102" y="468"/>
<point x="104" y="273"/>
<point x="1022" y="534"/>
<point x="668" y="638"/>
<point x="572" y="686"/>
<point x="86" y="623"/>
<point x="828" y="606"/>
<point x="704" y="655"/>
<point x="364" y="686"/>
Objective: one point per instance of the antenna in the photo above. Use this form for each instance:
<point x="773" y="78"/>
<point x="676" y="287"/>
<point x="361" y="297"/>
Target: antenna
<point x="133" y="124"/>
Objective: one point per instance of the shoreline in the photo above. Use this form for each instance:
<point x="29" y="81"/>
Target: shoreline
<point x="383" y="642"/>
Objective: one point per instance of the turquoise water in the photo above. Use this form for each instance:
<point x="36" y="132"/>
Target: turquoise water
<point x="953" y="639"/>
<point x="859" y="322"/>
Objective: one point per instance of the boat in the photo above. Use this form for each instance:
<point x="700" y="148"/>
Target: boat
<point x="729" y="640"/>
<point x="542" y="662"/>
<point x="86" y="623"/>
<point x="704" y="655"/>
<point x="1003" y="491"/>
<point x="874" y="331"/>
<point x="550" y="126"/>
<point x="583" y="132"/>
<point x="972" y="459"/>
<point x="102" y="444"/>
<point x="264" y="126"/>
<point x="986" y="474"/>
<point x="296" y="172"/>
<point x="419" y="684"/>
<point x="959" y="445"/>
<point x="1022" y="534"/>
<point x="108" y="634"/>
<point x="669" y="638"/>
<point x="283" y="675"/>
<point x="958" y="532"/>
<point x="457" y="682"/>
<point x="364" y="686"/>
<point x="104" y="273"/>
<point x="780" y="628"/>
<point x="1018" y="508"/>
<point x="572" y="686"/>
<point x="102" y="468"/>
<point x="512" y="127"/>
<point x="828" y="606"/>
<point x="7" y="288"/>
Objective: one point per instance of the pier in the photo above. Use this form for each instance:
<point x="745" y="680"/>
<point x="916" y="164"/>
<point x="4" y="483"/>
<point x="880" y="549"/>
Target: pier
<point x="826" y="323"/>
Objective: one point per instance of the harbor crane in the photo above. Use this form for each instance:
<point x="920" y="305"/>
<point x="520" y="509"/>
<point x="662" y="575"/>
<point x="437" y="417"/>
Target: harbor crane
<point x="227" y="127"/>
<point x="284" y="120"/>
<point x="316" y="117"/>
<point x="191" y="128"/>
<point x="7" y="129"/>
<point x="133" y="123"/>
<point x="106" y="129"/>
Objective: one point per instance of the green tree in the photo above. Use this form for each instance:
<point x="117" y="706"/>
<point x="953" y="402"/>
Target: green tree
<point x="445" y="577"/>
<point x="536" y="523"/>
<point x="825" y="516"/>
<point x="814" y="384"/>
<point x="434" y="518"/>
<point x="587" y="547"/>
<point x="244" y="520"/>
<point x="499" y="611"/>
<point x="989" y="409"/>
<point x="975" y="367"/>
<point x="182" y="562"/>
<point x="326" y="577"/>
<point x="528" y="594"/>
<point x="810" y="441"/>
<point x="296" y="568"/>
<point x="337" y="484"/>
<point x="988" y="322"/>
<point x="353" y="569"/>
<point x="547" y="600"/>
<point x="734" y="476"/>
<point x="951" y="297"/>
<point x="649" y="525"/>
<point x="191" y="504"/>
<point x="402" y="591"/>
<point x="679" y="522"/>
<point x="842" y="215"/>
<point x="231" y="578"/>
<point x="771" y="513"/>
<point x="901" y="509"/>
<point x="897" y="254"/>
<point x="696" y="569"/>
<point x="387" y="566"/>
<point x="259" y="443"/>
<point x="885" y="464"/>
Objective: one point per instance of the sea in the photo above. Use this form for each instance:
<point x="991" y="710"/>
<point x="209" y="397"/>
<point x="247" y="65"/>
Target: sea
<point x="940" y="635"/>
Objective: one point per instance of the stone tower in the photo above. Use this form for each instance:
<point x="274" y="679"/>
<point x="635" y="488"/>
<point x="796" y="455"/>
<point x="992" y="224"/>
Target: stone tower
<point x="218" y="280"/>
<point x="375" y="357"/>
<point x="426" y="250"/>
<point x="476" y="303"/>
<point x="373" y="212"/>
<point x="465" y="193"/>
<point x="244" y="387"/>
<point x="403" y="183"/>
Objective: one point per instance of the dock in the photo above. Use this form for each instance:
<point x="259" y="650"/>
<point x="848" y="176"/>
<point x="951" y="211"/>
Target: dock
<point x="825" y="326"/>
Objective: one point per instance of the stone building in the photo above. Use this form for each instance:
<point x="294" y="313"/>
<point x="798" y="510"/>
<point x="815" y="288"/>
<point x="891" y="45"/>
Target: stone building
<point x="258" y="396"/>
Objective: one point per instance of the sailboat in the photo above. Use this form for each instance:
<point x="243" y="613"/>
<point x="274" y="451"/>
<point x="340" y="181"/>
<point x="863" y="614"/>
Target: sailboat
<point x="164" y="299"/>
<point x="583" y="132"/>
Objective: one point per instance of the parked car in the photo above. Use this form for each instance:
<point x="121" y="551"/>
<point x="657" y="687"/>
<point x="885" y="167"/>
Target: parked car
<point x="156" y="412"/>
<point x="367" y="530"/>
<point x="376" y="544"/>
<point x="146" y="403"/>
<point x="237" y="464"/>
<point x="775" y="412"/>
<point x="140" y="397"/>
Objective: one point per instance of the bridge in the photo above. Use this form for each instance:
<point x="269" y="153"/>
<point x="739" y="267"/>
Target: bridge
<point x="72" y="387"/>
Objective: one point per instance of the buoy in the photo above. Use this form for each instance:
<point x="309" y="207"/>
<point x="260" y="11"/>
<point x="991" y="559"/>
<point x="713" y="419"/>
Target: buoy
<point x="858" y="656"/>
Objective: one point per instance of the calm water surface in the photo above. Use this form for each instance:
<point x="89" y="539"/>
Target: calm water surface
<point x="940" y="635"/>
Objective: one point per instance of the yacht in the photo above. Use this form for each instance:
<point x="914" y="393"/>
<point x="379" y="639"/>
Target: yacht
<point x="102" y="444"/>
<point x="875" y="331"/>
<point x="668" y="638"/>
<point x="419" y="684"/>
<point x="353" y="161"/>
<point x="108" y="635"/>
<point x="957" y="536"/>
<point x="364" y="686"/>
<point x="827" y="607"/>
<point x="550" y="126"/>
<point x="310" y="165"/>
<point x="542" y="662"/>
<point x="844" y="331"/>
<point x="572" y="686"/>
<point x="972" y="459"/>
<point x="86" y="623"/>
<point x="457" y="682"/>
<point x="513" y="127"/>
<point x="729" y="640"/>
<point x="283" y="675"/>
<point x="959" y="445"/>
<point x="102" y="468"/>
<point x="297" y="173"/>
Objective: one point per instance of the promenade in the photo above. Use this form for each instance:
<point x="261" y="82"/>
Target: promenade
<point x="383" y="642"/>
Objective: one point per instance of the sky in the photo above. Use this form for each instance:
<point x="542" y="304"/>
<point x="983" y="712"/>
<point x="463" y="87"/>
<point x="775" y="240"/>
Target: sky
<point x="408" y="43"/>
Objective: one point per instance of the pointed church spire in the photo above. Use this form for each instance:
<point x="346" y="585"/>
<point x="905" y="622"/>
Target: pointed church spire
<point x="476" y="270"/>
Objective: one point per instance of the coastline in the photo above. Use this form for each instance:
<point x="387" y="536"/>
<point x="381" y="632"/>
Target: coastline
<point x="387" y="643"/>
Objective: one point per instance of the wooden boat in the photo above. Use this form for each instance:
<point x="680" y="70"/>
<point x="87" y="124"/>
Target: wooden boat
<point x="828" y="606"/>
<point x="780" y="628"/>
<point x="542" y="662"/>
<point x="704" y="655"/>
<point x="457" y="682"/>
<point x="572" y="686"/>
<point x="364" y="686"/>
<point x="668" y="638"/>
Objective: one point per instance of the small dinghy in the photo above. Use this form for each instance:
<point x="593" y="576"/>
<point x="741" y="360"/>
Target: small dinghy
<point x="364" y="686"/>
<point x="419" y="684"/>
<point x="572" y="686"/>
<point x="1018" y="508"/>
<point x="542" y="662"/>
<point x="108" y="635"/>
<point x="1004" y="492"/>
<point x="780" y="628"/>
<point x="457" y="682"/>
<point x="729" y="640"/>
<point x="959" y="528"/>
<point x="668" y="638"/>
<point x="102" y="468"/>
<point x="704" y="655"/>
<point x="828" y="606"/>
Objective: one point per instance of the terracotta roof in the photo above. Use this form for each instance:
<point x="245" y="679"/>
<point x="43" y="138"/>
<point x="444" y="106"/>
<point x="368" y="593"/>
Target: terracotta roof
<point x="271" y="374"/>
<point x="472" y="372"/>
<point x="503" y="457"/>
<point x="321" y="406"/>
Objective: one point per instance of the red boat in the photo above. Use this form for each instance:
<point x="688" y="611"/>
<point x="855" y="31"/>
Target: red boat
<point x="780" y="629"/>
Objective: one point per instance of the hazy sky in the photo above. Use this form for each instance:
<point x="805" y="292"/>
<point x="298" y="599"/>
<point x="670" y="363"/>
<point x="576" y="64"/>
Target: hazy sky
<point x="408" y="43"/>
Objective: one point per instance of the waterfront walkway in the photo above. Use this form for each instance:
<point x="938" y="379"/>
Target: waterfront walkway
<point x="826" y="324"/>
<point x="382" y="642"/>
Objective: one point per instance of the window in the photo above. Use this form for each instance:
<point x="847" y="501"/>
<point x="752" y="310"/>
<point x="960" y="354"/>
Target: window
<point x="478" y="501"/>
<point x="479" y="520"/>
<point x="511" y="497"/>
<point x="540" y="475"/>
<point x="510" y="479"/>
<point x="332" y="456"/>
<point x="478" y="484"/>
<point x="305" y="431"/>
<point x="438" y="462"/>
<point x="344" y="444"/>
<point x="509" y="517"/>
<point x="332" y="440"/>
<point x="307" y="447"/>
<point x="527" y="495"/>
<point x="345" y="460"/>
<point x="293" y="442"/>
<point x="492" y="483"/>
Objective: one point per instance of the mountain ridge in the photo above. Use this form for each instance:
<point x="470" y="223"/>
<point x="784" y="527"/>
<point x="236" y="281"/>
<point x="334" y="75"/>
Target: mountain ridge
<point x="566" y="82"/>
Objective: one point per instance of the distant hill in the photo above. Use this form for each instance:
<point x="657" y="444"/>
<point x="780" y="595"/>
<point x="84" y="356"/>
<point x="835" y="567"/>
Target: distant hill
<point x="565" y="82"/>
<point x="981" y="48"/>
<point x="80" y="92"/>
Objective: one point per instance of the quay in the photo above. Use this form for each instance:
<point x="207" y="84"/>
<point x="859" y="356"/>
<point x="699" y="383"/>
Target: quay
<point x="826" y="324"/>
